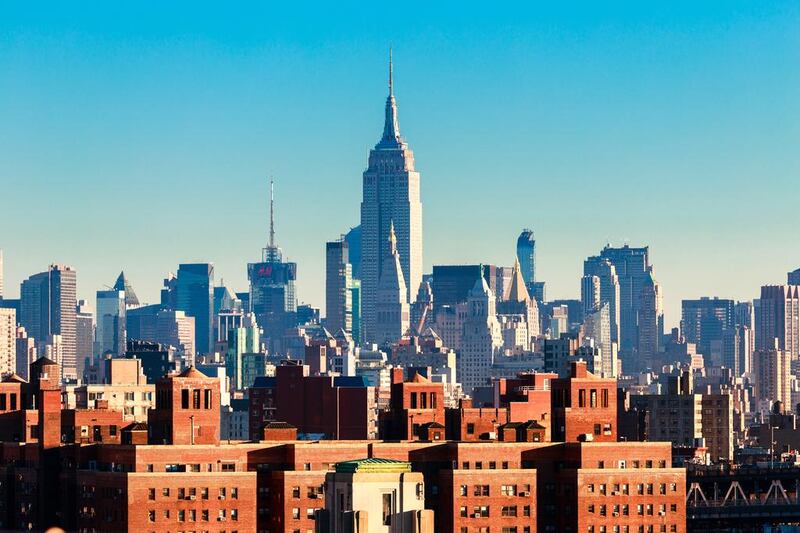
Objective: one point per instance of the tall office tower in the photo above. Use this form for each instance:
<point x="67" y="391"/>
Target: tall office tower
<point x="392" y="313"/>
<point x="195" y="297"/>
<point x="779" y="312"/>
<point x="338" y="279"/>
<point x="391" y="196"/>
<point x="26" y="352"/>
<point x="481" y="337"/>
<point x="651" y="321"/>
<point x="241" y="340"/>
<point x="704" y="323"/>
<point x="8" y="341"/>
<point x="737" y="349"/>
<point x="453" y="283"/>
<point x="272" y="287"/>
<point x="792" y="278"/>
<point x="609" y="288"/>
<point x="744" y="314"/>
<point x="353" y="238"/>
<point x="47" y="308"/>
<point x="122" y="284"/>
<point x="590" y="293"/>
<point x="84" y="336"/>
<point x="772" y="376"/>
<point x="355" y="297"/>
<point x="110" y="332"/>
<point x="526" y="255"/>
<point x="176" y="329"/>
<point x="632" y="266"/>
<point x="597" y="326"/>
<point x="422" y="309"/>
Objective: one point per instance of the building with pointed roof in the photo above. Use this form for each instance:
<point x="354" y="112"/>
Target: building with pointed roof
<point x="123" y="284"/>
<point x="481" y="338"/>
<point x="392" y="312"/>
<point x="391" y="197"/>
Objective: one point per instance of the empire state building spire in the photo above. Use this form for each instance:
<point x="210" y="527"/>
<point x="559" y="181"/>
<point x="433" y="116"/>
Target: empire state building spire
<point x="391" y="129"/>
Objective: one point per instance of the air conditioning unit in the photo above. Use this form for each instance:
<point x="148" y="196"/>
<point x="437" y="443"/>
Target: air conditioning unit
<point x="193" y="498"/>
<point x="525" y="494"/>
<point x="221" y="497"/>
<point x="221" y="519"/>
<point x="614" y="493"/>
<point x="661" y="513"/>
<point x="616" y="513"/>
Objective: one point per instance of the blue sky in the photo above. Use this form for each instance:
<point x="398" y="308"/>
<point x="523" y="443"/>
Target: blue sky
<point x="141" y="136"/>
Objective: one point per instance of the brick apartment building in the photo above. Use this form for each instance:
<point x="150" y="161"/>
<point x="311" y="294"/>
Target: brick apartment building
<point x="277" y="486"/>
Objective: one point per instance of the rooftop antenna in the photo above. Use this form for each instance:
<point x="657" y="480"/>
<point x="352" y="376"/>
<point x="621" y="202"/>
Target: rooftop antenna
<point x="271" y="213"/>
<point x="391" y="80"/>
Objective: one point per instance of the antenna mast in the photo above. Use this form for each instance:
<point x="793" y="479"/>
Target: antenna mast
<point x="271" y="213"/>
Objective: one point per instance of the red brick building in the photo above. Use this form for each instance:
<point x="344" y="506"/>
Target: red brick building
<point x="584" y="406"/>
<point x="187" y="409"/>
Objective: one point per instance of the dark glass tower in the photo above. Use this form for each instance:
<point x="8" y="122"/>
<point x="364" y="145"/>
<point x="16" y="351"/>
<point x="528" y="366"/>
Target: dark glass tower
<point x="526" y="254"/>
<point x="195" y="297"/>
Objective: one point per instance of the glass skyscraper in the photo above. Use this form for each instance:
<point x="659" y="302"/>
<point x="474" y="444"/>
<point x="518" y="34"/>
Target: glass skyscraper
<point x="526" y="254"/>
<point x="195" y="296"/>
<point x="110" y="332"/>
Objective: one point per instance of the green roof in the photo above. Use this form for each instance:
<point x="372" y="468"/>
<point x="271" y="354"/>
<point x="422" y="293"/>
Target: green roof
<point x="373" y="465"/>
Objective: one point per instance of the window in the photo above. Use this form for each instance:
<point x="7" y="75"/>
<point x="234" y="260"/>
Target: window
<point x="463" y="512"/>
<point x="235" y="493"/>
<point x="526" y="510"/>
<point x="181" y="493"/>
<point x="590" y="487"/>
<point x="481" y="511"/>
<point x="204" y="493"/>
<point x="597" y="429"/>
<point x="462" y="490"/>
<point x="165" y="492"/>
<point x="470" y="428"/>
<point x="492" y="465"/>
<point x="207" y="399"/>
<point x="181" y="515"/>
<point x="192" y="515"/>
<point x="228" y="467"/>
<point x="604" y="397"/>
<point x="662" y="488"/>
<point x="296" y="513"/>
<point x="184" y="398"/>
<point x="295" y="492"/>
<point x="478" y="465"/>
<point x="508" y="510"/>
<point x="582" y="398"/>
<point x="508" y="490"/>
<point x="505" y="465"/>
<point x="235" y="514"/>
<point x="387" y="508"/>
<point x="204" y="515"/>
<point x="151" y="515"/>
<point x="196" y="399"/>
<point x="151" y="494"/>
<point x="481" y="490"/>
<point x="593" y="398"/>
<point x="222" y="493"/>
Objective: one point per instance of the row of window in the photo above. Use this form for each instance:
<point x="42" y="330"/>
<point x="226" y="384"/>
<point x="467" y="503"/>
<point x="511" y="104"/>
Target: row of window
<point x="483" y="511"/>
<point x="624" y="488"/>
<point x="484" y="490"/>
<point x="465" y="465"/>
<point x="636" y="463"/>
<point x="624" y="510"/>
<point x="310" y="513"/>
<point x="191" y="493"/>
<point x="505" y="529"/>
<point x="190" y="515"/>
<point x="315" y="491"/>
<point x="662" y="528"/>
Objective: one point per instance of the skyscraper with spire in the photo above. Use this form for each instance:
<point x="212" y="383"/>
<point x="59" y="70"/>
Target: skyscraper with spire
<point x="272" y="287"/>
<point x="391" y="194"/>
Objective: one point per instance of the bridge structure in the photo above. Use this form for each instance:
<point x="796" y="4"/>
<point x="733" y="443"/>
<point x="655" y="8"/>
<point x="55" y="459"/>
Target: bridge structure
<point x="742" y="498"/>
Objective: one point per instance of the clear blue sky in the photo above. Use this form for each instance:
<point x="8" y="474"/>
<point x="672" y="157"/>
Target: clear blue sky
<point x="139" y="137"/>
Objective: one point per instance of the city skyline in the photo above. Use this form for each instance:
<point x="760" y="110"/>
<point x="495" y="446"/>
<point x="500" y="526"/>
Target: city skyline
<point x="101" y="157"/>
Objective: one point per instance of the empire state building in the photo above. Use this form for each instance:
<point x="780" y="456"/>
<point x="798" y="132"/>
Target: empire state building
<point x="391" y="198"/>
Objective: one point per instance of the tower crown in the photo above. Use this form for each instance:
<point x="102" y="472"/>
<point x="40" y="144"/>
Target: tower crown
<point x="391" y="128"/>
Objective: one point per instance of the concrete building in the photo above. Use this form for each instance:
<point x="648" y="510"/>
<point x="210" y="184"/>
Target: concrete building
<point x="47" y="308"/>
<point x="481" y="338"/>
<point x="772" y="377"/>
<point x="391" y="197"/>
<point x="84" y="337"/>
<point x="25" y="352"/>
<point x="779" y="318"/>
<point x="375" y="495"/>
<point x="338" y="280"/>
<point x="124" y="389"/>
<point x="174" y="328"/>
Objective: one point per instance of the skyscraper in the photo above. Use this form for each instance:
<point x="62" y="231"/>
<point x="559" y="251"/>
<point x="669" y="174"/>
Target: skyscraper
<point x="84" y="336"/>
<point x="632" y="266"/>
<point x="392" y="313"/>
<point x="338" y="279"/>
<point x="272" y="287"/>
<point x="481" y="338"/>
<point x="779" y="318"/>
<point x="110" y="333"/>
<point x="704" y="323"/>
<point x="122" y="284"/>
<point x="47" y="308"/>
<point x="792" y="278"/>
<point x="195" y="297"/>
<point x="609" y="289"/>
<point x="391" y="194"/>
<point x="651" y="321"/>
<point x="526" y="255"/>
